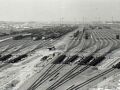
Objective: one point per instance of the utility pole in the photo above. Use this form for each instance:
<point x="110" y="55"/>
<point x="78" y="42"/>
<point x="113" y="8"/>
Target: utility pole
<point x="99" y="19"/>
<point x="112" y="19"/>
<point x="61" y="21"/>
<point x="83" y="20"/>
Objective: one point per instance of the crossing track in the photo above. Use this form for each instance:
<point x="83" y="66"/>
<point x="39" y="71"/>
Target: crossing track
<point x="38" y="82"/>
<point x="3" y="49"/>
<point x="75" y="42"/>
<point x="22" y="50"/>
<point x="46" y="78"/>
<point x="103" y="42"/>
<point x="99" y="75"/>
<point x="69" y="76"/>
<point x="96" y="77"/>
<point x="90" y="80"/>
<point x="46" y="75"/>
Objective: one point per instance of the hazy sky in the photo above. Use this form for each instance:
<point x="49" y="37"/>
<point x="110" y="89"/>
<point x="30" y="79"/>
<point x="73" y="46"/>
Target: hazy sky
<point x="53" y="10"/>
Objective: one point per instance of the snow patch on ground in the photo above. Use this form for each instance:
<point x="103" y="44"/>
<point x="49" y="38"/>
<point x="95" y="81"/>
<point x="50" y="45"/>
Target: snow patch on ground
<point x="25" y="69"/>
<point x="22" y="72"/>
<point x="63" y="44"/>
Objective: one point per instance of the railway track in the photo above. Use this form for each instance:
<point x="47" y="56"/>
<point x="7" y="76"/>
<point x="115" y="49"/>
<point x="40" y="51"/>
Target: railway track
<point x="32" y="87"/>
<point x="77" y="87"/>
<point x="93" y="78"/>
<point x="68" y="77"/>
<point x="10" y="57"/>
<point x="75" y="42"/>
<point x="106" y="43"/>
<point x="38" y="83"/>
<point x="48" y="76"/>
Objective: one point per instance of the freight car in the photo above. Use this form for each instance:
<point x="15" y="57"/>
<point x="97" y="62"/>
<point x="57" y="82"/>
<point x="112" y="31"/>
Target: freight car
<point x="97" y="60"/>
<point x="5" y="57"/>
<point x="59" y="59"/>
<point x="86" y="60"/>
<point x="44" y="58"/>
<point x="18" y="37"/>
<point x="86" y="36"/>
<point x="71" y="59"/>
<point x="17" y="58"/>
<point x="117" y="37"/>
<point x="34" y="38"/>
<point x="76" y="33"/>
<point x="117" y="66"/>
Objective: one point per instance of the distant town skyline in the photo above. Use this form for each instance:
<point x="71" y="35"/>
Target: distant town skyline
<point x="59" y="10"/>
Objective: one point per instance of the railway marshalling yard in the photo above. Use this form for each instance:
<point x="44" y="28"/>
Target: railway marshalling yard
<point x="83" y="59"/>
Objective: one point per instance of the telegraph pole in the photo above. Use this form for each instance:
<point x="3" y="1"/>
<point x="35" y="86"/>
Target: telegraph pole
<point x="83" y="20"/>
<point x="61" y="21"/>
<point x="112" y="19"/>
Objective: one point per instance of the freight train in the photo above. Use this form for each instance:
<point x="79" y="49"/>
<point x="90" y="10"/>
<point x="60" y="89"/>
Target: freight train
<point x="21" y="36"/>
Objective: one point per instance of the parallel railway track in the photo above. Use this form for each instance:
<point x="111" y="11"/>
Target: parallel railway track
<point x="46" y="75"/>
<point x="39" y="83"/>
<point x="77" y="87"/>
<point x="107" y="44"/>
<point x="68" y="76"/>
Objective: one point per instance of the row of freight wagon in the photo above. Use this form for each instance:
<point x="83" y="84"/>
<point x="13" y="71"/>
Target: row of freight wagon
<point x="36" y="36"/>
<point x="11" y="59"/>
<point x="90" y="60"/>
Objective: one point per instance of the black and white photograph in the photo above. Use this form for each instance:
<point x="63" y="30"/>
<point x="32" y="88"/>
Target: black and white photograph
<point x="59" y="44"/>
